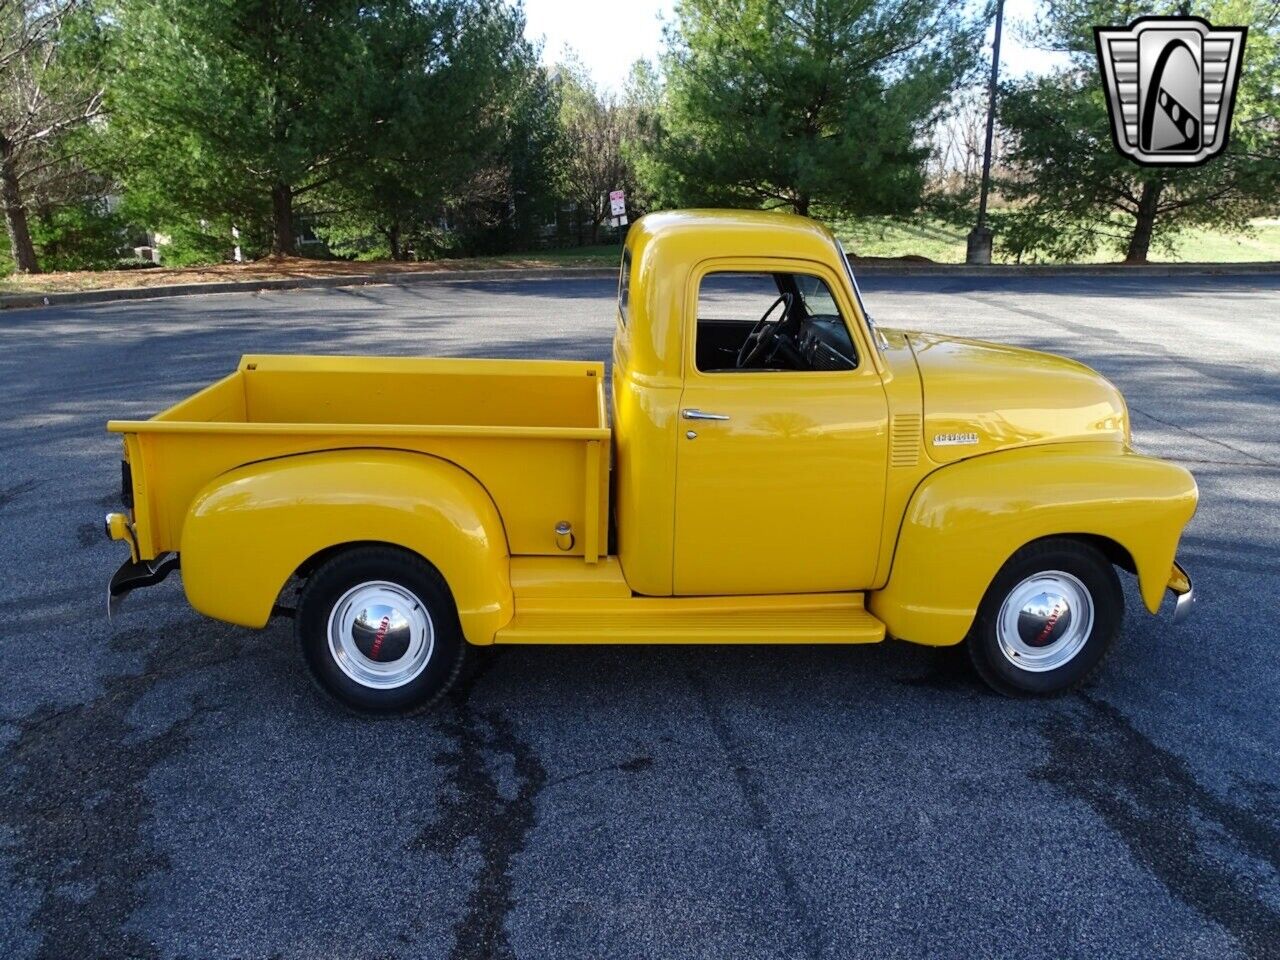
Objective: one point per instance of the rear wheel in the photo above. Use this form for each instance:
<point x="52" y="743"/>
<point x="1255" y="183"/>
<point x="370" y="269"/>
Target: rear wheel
<point x="1047" y="620"/>
<point x="379" y="630"/>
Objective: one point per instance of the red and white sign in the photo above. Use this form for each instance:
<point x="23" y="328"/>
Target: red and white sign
<point x="617" y="203"/>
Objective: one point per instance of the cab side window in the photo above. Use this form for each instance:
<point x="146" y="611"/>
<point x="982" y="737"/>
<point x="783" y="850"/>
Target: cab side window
<point x="770" y="322"/>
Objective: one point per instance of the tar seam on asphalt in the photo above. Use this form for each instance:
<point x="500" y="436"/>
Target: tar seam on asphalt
<point x="11" y="493"/>
<point x="473" y="808"/>
<point x="1171" y="824"/>
<point x="1088" y="331"/>
<point x="634" y="765"/>
<point x="758" y="811"/>
<point x="75" y="800"/>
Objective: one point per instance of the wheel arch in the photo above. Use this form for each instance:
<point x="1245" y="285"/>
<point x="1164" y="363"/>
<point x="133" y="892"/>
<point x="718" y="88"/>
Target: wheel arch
<point x="322" y="556"/>
<point x="249" y="531"/>
<point x="964" y="521"/>
<point x="1115" y="551"/>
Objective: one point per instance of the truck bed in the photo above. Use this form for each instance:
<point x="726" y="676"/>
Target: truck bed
<point x="534" y="433"/>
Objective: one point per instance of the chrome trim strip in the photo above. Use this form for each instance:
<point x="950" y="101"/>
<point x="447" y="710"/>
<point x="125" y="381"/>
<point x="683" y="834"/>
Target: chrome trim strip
<point x="1186" y="602"/>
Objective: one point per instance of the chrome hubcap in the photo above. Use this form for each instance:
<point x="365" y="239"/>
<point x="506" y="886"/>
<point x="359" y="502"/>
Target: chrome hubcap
<point x="1045" y="621"/>
<point x="380" y="635"/>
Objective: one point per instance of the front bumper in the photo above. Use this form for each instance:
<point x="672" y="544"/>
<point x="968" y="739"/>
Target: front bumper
<point x="1181" y="587"/>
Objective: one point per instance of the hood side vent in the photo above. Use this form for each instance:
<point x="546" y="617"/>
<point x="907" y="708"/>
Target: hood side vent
<point x="904" y="440"/>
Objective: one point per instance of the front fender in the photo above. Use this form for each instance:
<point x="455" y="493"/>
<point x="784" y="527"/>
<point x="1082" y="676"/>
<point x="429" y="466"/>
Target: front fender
<point x="964" y="521"/>
<point x="248" y="531"/>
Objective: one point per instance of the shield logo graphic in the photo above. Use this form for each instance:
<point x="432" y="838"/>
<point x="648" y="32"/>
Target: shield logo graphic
<point x="1171" y="86"/>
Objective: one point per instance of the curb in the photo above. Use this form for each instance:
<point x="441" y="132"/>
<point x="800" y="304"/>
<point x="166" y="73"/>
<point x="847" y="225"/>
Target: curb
<point x="967" y="271"/>
<point x="19" y="301"/>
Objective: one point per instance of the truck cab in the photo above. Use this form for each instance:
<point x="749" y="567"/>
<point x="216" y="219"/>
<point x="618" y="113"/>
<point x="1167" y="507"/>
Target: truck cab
<point x="751" y="410"/>
<point x="777" y="469"/>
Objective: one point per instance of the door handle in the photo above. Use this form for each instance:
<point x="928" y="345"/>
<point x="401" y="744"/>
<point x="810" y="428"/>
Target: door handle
<point x="691" y="414"/>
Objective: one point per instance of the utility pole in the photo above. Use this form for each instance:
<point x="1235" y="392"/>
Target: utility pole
<point x="980" y="237"/>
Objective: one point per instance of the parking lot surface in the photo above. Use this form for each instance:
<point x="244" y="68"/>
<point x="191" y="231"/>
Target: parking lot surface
<point x="174" y="787"/>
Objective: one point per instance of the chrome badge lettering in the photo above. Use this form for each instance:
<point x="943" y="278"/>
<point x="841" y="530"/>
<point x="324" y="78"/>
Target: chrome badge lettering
<point x="379" y="637"/>
<point x="954" y="439"/>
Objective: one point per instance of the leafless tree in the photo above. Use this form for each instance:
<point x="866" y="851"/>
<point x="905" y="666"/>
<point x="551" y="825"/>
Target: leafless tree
<point x="595" y="126"/>
<point x="958" y="140"/>
<point x="37" y="106"/>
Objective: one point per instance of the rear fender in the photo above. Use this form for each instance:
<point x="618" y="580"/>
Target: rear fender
<point x="248" y="531"/>
<point x="964" y="521"/>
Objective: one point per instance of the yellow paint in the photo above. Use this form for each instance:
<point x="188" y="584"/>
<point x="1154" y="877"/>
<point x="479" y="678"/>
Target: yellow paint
<point x="567" y="577"/>
<point x="249" y="530"/>
<point x="1179" y="582"/>
<point x="786" y="496"/>
<point x="533" y="433"/>
<point x="669" y="253"/>
<point x="118" y="528"/>
<point x="908" y="460"/>
<point x="806" y="618"/>
<point x="967" y="519"/>
<point x="821" y="489"/>
<point x="1011" y="397"/>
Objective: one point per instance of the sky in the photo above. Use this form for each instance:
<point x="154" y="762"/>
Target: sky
<point x="609" y="35"/>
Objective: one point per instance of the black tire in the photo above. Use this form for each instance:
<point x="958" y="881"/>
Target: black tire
<point x="403" y="571"/>
<point x="1089" y="568"/>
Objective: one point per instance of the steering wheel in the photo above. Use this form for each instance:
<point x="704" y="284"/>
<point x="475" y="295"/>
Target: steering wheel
<point x="764" y="335"/>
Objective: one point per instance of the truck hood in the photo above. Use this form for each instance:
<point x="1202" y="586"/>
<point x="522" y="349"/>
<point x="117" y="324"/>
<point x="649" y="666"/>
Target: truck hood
<point x="980" y="397"/>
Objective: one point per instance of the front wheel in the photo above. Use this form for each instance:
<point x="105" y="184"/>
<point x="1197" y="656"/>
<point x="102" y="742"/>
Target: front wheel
<point x="1047" y="620"/>
<point x="379" y="630"/>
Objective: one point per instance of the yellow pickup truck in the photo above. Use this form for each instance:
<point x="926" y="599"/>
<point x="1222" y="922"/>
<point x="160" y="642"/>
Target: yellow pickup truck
<point x="778" y="469"/>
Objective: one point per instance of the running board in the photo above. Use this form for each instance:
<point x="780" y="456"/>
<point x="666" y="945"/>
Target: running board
<point x="827" y="618"/>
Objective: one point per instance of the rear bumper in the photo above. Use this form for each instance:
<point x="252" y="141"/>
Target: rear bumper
<point x="133" y="574"/>
<point x="1181" y="587"/>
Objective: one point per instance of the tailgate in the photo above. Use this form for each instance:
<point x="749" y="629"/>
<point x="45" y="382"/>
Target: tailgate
<point x="159" y="477"/>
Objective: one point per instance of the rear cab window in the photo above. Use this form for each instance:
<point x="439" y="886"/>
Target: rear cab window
<point x="624" y="285"/>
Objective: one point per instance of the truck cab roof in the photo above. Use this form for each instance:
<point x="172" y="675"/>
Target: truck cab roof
<point x="727" y="233"/>
<point x="664" y="249"/>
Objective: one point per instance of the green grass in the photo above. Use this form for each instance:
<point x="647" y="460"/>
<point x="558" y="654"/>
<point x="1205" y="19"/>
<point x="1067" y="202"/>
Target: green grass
<point x="883" y="237"/>
<point x="1207" y="247"/>
<point x="944" y="243"/>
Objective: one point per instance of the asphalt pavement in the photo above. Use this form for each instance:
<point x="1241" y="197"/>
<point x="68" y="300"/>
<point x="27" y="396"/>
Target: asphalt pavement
<point x="174" y="787"/>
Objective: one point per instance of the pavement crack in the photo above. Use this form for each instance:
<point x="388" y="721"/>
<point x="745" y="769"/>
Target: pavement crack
<point x="1207" y="851"/>
<point x="13" y="492"/>
<point x="473" y="810"/>
<point x="1200" y="436"/>
<point x="75" y="802"/>
<point x="1090" y="332"/>
<point x="634" y="765"/>
<point x="1250" y="465"/>
<point x="758" y="812"/>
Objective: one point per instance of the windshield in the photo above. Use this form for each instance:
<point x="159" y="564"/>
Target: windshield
<point x="853" y="282"/>
<point x="815" y="296"/>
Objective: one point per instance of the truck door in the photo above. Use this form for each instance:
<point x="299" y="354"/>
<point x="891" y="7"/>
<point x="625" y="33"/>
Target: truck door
<point x="782" y="439"/>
